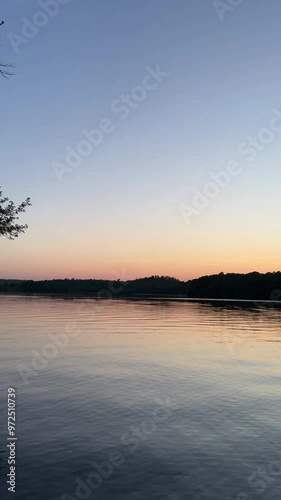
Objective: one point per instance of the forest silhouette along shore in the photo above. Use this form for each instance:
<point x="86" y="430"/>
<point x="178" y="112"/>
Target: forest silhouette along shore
<point x="251" y="286"/>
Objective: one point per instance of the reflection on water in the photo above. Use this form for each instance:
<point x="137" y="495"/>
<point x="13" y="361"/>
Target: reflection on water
<point x="94" y="378"/>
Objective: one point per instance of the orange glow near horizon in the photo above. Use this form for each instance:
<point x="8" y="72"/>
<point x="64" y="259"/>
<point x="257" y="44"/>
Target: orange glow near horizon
<point x="17" y="261"/>
<point x="170" y="248"/>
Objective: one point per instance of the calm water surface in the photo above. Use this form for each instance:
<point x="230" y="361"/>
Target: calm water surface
<point x="183" y="399"/>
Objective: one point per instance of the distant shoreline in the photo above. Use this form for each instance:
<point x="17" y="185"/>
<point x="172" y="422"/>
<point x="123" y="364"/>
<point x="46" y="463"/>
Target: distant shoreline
<point x="251" y="287"/>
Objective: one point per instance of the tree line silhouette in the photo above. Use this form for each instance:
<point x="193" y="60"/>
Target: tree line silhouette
<point x="251" y="286"/>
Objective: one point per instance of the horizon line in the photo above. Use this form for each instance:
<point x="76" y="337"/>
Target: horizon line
<point x="135" y="279"/>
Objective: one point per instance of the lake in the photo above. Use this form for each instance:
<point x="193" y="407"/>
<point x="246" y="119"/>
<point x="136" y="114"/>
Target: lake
<point x="146" y="399"/>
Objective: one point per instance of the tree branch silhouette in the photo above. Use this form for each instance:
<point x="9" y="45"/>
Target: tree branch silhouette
<point x="5" y="68"/>
<point x="9" y="215"/>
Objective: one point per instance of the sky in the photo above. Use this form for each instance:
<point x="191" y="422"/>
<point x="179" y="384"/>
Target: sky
<point x="147" y="134"/>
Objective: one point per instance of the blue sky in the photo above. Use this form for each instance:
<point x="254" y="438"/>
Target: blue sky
<point x="121" y="203"/>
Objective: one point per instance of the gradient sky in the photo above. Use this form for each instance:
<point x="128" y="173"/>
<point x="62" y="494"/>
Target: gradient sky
<point x="118" y="212"/>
